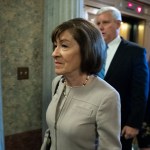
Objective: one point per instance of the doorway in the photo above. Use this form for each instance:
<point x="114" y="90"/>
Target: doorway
<point x="132" y="29"/>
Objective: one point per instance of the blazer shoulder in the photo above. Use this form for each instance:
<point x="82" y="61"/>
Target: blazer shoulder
<point x="105" y="86"/>
<point x="131" y="44"/>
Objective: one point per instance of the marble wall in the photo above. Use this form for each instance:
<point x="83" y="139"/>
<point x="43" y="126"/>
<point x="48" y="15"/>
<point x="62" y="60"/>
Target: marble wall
<point x="21" y="39"/>
<point x="26" y="26"/>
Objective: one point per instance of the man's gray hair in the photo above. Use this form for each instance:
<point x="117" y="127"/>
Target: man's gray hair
<point x="114" y="11"/>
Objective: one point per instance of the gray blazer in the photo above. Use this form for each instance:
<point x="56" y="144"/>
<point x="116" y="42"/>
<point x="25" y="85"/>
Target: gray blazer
<point x="88" y="119"/>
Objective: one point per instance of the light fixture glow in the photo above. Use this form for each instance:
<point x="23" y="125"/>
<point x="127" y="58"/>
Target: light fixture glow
<point x="130" y="4"/>
<point x="139" y="9"/>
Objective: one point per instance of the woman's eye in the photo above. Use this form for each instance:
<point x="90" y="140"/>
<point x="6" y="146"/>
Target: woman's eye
<point x="64" y="45"/>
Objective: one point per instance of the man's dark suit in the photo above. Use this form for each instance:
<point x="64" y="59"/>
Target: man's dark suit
<point x="128" y="74"/>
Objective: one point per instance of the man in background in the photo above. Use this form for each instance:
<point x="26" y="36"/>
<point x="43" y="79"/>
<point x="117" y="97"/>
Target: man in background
<point x="143" y="137"/>
<point x="126" y="69"/>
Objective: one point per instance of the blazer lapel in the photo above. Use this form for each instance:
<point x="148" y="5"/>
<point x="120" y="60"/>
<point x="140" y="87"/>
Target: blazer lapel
<point x="115" y="61"/>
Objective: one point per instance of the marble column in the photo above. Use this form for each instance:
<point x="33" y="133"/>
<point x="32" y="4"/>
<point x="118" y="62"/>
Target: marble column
<point x="1" y="115"/>
<point x="56" y="12"/>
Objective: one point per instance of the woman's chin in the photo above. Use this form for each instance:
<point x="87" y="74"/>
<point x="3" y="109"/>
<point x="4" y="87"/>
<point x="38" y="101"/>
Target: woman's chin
<point x="58" y="72"/>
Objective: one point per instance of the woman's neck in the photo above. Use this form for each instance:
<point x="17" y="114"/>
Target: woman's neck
<point x="81" y="80"/>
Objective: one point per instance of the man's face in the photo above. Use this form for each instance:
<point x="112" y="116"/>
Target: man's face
<point x="108" y="26"/>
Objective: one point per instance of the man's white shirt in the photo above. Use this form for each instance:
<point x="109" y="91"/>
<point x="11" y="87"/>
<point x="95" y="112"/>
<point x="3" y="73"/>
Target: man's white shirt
<point x="111" y="50"/>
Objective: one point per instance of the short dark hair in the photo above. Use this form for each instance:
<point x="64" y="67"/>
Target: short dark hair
<point x="90" y="40"/>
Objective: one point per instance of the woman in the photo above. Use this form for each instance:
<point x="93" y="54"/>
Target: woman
<point x="84" y="113"/>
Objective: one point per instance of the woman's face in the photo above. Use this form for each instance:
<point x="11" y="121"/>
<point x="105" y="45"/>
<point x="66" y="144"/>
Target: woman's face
<point x="66" y="54"/>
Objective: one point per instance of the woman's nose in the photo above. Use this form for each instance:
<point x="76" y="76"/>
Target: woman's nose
<point x="56" y="52"/>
